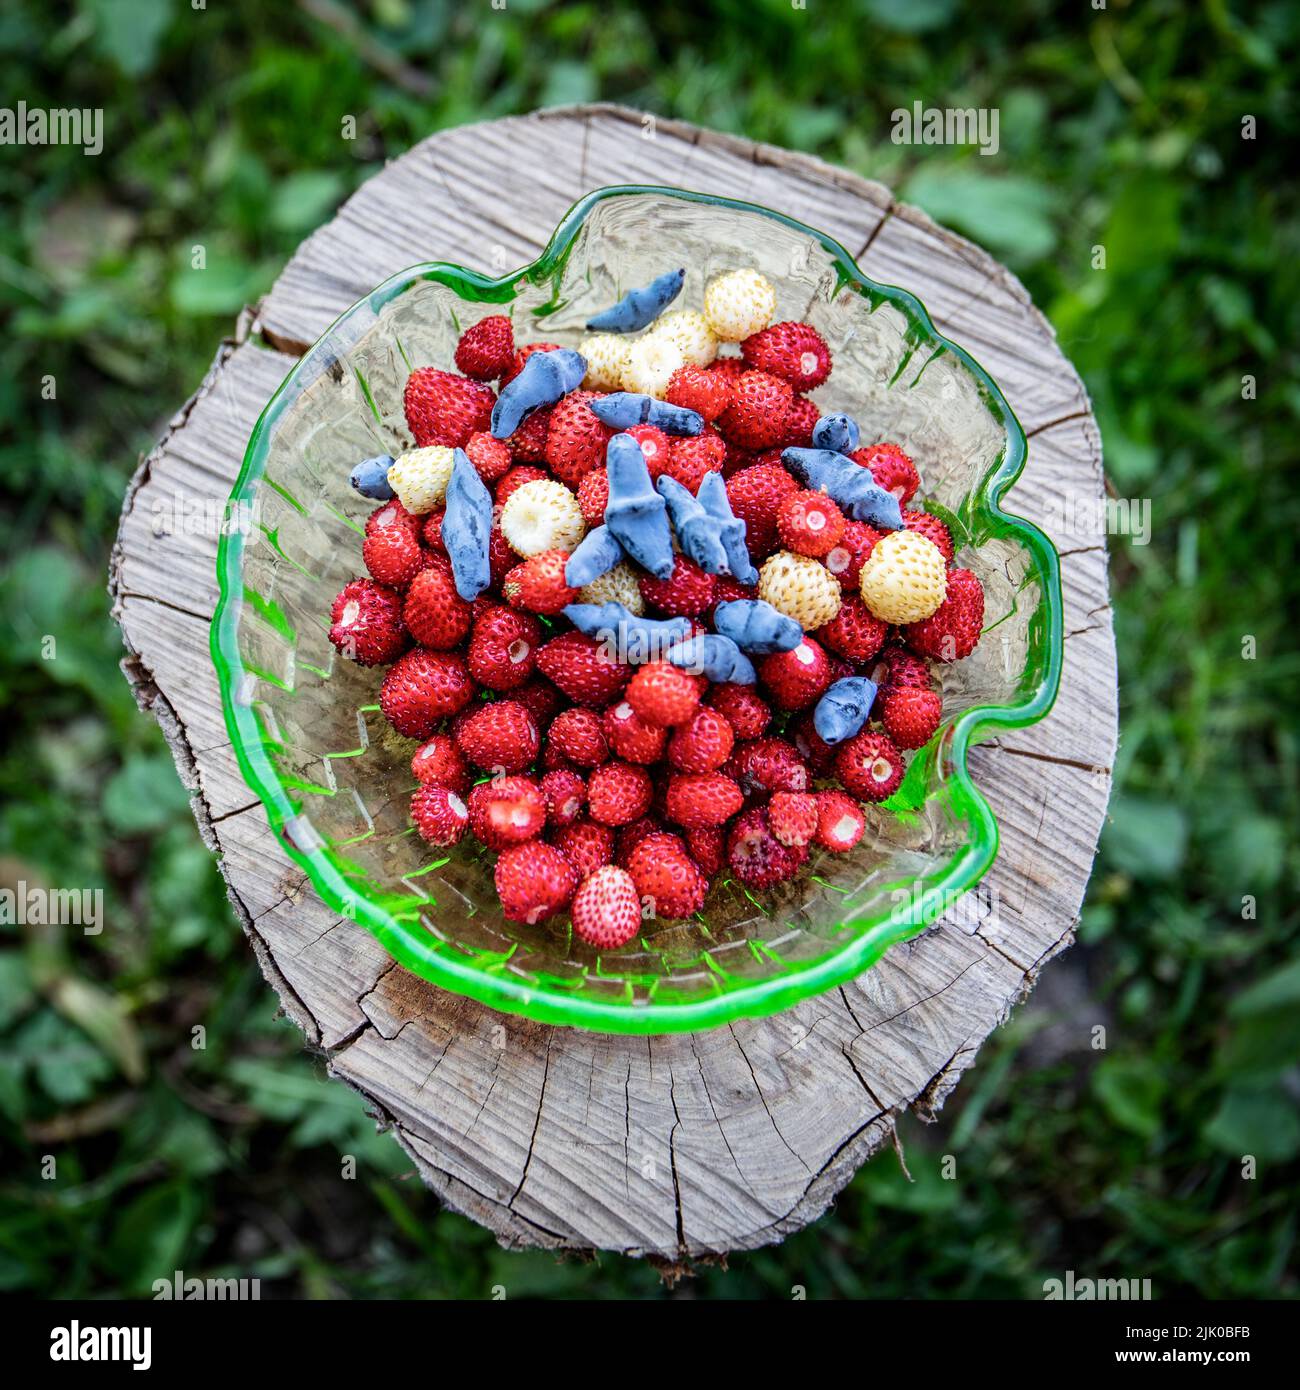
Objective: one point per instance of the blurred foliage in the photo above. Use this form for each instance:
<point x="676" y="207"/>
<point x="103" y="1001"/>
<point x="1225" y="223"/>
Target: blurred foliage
<point x="1121" y="128"/>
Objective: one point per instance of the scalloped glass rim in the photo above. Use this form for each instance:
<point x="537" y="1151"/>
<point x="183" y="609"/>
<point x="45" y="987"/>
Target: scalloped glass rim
<point x="408" y="942"/>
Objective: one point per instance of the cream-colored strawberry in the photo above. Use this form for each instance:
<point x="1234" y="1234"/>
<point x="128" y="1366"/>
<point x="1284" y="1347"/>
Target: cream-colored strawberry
<point x="651" y="361"/>
<point x="419" y="477"/>
<point x="738" y="304"/>
<point x="606" y="357"/>
<point x="619" y="585"/>
<point x="904" y="578"/>
<point x="800" y="587"/>
<point x="690" y="330"/>
<point x="542" y="515"/>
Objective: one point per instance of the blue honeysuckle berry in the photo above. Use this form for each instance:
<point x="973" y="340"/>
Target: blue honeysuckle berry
<point x="715" y="657"/>
<point x="639" y="308"/>
<point x="543" y="380"/>
<point x="467" y="527"/>
<point x="838" y="433"/>
<point x="847" y="483"/>
<point x="843" y="709"/>
<point x="620" y="410"/>
<point x="755" y="626"/>
<point x="712" y="496"/>
<point x="630" y="639"/>
<point x="697" y="532"/>
<point x="597" y="553"/>
<point x="636" y="515"/>
<point x="370" y="478"/>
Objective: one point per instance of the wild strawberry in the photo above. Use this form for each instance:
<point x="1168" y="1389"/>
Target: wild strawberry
<point x="695" y="799"/>
<point x="393" y="514"/>
<point x="537" y="584"/>
<point x="511" y="482"/>
<point x="431" y="531"/>
<point x="439" y="814"/>
<point x="739" y="459"/>
<point x="809" y="523"/>
<point x="540" y="698"/>
<point x="606" y="910"/>
<point x="846" y="558"/>
<point x="869" y="766"/>
<point x="904" y="578"/>
<point x="706" y="392"/>
<point x="756" y="495"/>
<point x="854" y="632"/>
<point x="632" y="738"/>
<point x="618" y="793"/>
<point x="691" y="457"/>
<point x="899" y="667"/>
<point x="756" y="417"/>
<point x="796" y="678"/>
<point x="500" y="736"/>
<point x="506" y="811"/>
<point x="738" y="303"/>
<point x="689" y="330"/>
<point x="742" y="707"/>
<point x="586" y="845"/>
<point x="795" y="352"/>
<point x="953" y="630"/>
<point x="630" y="836"/>
<point x="726" y="589"/>
<point x="891" y="469"/>
<point x="491" y="457"/>
<point x="366" y="623"/>
<point x="932" y="529"/>
<point x="706" y="845"/>
<point x="729" y="369"/>
<point x="434" y="612"/>
<point x="439" y="762"/>
<point x="534" y="882"/>
<point x="528" y="443"/>
<point x="575" y="442"/>
<point x="392" y="555"/>
<point x="503" y="648"/>
<point x="767" y="765"/>
<point x="578" y="735"/>
<point x="422" y="688"/>
<point x="661" y="694"/>
<point x="593" y="496"/>
<point x="654" y="447"/>
<point x="583" y="669"/>
<point x="703" y="743"/>
<point x="650" y="363"/>
<point x="757" y="858"/>
<point x="813" y="749"/>
<point x="565" y="794"/>
<point x="684" y="594"/>
<point x="443" y="408"/>
<point x="793" y="817"/>
<point x="486" y="349"/>
<point x="419" y="477"/>
<point x="799" y="423"/>
<point x="800" y="587"/>
<point x="522" y="355"/>
<point x="840" y="822"/>
<point x="606" y="357"/>
<point x="911" y="716"/>
<point x="667" y="879"/>
<point x="542" y="515"/>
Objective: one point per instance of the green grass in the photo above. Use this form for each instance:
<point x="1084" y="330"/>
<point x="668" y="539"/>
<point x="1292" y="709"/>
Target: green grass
<point x="1120" y="128"/>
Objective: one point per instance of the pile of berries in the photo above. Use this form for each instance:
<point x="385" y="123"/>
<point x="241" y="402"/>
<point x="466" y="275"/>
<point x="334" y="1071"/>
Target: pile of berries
<point x="614" y="789"/>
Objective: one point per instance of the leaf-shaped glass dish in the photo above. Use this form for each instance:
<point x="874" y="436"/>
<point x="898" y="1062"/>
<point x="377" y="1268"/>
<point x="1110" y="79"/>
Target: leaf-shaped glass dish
<point x="336" y="780"/>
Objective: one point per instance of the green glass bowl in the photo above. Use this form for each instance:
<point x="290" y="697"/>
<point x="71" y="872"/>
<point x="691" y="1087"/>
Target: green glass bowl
<point x="336" y="780"/>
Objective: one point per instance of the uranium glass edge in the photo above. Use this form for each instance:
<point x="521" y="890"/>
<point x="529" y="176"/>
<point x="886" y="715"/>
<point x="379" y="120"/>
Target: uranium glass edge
<point x="409" y="943"/>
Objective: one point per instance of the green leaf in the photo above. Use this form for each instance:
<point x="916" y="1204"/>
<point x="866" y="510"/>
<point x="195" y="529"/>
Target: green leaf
<point x="1261" y="1121"/>
<point x="66" y="1063"/>
<point x="1130" y="1091"/>
<point x="911" y="16"/>
<point x="130" y="31"/>
<point x="1280" y="990"/>
<point x="305" y="199"/>
<point x="223" y="286"/>
<point x="150" y="1236"/>
<point x="144" y="795"/>
<point x="1145" y="838"/>
<point x="1010" y="213"/>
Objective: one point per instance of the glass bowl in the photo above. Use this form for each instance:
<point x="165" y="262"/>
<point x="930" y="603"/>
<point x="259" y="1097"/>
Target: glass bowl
<point x="336" y="780"/>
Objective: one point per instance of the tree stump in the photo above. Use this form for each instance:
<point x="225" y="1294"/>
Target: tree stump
<point x="669" y="1147"/>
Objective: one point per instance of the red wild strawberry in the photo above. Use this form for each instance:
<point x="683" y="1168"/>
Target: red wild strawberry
<point x="698" y="389"/>
<point x="898" y="667"/>
<point x="443" y="408"/>
<point x="726" y="589"/>
<point x="528" y="443"/>
<point x="756" y="417"/>
<point x="932" y="529"/>
<point x="654" y="447"/>
<point x="668" y="880"/>
<point x="798" y="677"/>
<point x="394" y="514"/>
<point x="578" y="735"/>
<point x="366" y="623"/>
<point x="706" y="844"/>
<point x="809" y="523"/>
<point x="439" y="814"/>
<point x="953" y="630"/>
<point x="503" y="648"/>
<point x="729" y="369"/>
<point x="565" y="794"/>
<point x="812" y="748"/>
<point x="739" y="459"/>
<point x="691" y="457"/>
<point x="686" y="592"/>
<point x="537" y="584"/>
<point x="768" y="765"/>
<point x="799" y="423"/>
<point x="439" y="762"/>
<point x="632" y="738"/>
<point x="576" y="439"/>
<point x="869" y="766"/>
<point x="756" y="495"/>
<point x="891" y="469"/>
<point x="703" y="743"/>
<point x="793" y="817"/>
<point x="911" y="716"/>
<point x="757" y="857"/>
<point x="845" y="560"/>
<point x="696" y="799"/>
<point x="540" y="698"/>
<point x="534" y="882"/>
<point x="506" y="811"/>
<point x="593" y="496"/>
<point x="583" y="669"/>
<point x="486" y="349"/>
<point x="499" y="737"/>
<point x="661" y="694"/>
<point x="618" y="793"/>
<point x="795" y="352"/>
<point x="434" y="612"/>
<point x="743" y="707"/>
<point x="630" y="836"/>
<point x="522" y="355"/>
<point x="854" y="632"/>
<point x="393" y="555"/>
<point x="586" y="845"/>
<point x="606" y="910"/>
<point x="520" y="474"/>
<point x="840" y="822"/>
<point x="423" y="688"/>
<point x="491" y="457"/>
<point x="432" y="531"/>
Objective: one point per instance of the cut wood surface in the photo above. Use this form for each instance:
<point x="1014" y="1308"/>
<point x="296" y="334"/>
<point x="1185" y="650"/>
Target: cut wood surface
<point x="671" y="1147"/>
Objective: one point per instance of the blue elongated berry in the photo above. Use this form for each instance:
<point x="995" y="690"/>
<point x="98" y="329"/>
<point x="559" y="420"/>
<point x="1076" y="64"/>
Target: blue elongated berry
<point x="846" y="482"/>
<point x="755" y="626"/>
<point x="714" y="657"/>
<point x="597" y="553"/>
<point x="620" y="410"/>
<point x="697" y="532"/>
<point x="466" y="527"/>
<point x="836" y="432"/>
<point x="628" y="639"/>
<point x="842" y="710"/>
<point x="712" y="496"/>
<point x="640" y="307"/>
<point x="370" y="478"/>
<point x="636" y="515"/>
<point x="546" y="376"/>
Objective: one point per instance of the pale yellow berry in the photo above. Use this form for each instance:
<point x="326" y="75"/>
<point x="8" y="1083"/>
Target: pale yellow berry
<point x="419" y="477"/>
<point x="739" y="303"/>
<point x="618" y="585"/>
<point x="904" y="579"/>
<point x="651" y="362"/>
<point x="606" y="357"/>
<point x="690" y="330"/>
<point x="542" y="515"/>
<point x="800" y="587"/>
